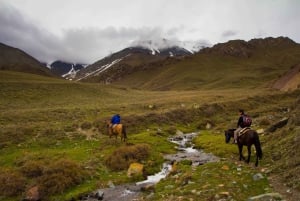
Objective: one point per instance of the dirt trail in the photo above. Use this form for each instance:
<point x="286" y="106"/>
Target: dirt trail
<point x="289" y="81"/>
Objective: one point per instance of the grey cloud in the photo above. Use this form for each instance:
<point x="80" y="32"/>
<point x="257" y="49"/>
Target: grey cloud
<point x="85" y="45"/>
<point x="229" y="33"/>
<point x="16" y="31"/>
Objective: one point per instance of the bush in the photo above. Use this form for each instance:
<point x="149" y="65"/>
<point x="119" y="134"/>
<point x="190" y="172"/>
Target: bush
<point x="86" y="125"/>
<point x="121" y="158"/>
<point x="32" y="168"/>
<point x="60" y="175"/>
<point x="12" y="183"/>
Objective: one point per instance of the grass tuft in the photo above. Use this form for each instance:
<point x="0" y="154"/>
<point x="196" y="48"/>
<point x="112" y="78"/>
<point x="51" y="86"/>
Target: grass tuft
<point x="12" y="183"/>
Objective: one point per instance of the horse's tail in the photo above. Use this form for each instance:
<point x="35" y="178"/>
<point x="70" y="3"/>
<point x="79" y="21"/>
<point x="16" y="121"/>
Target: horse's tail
<point x="258" y="147"/>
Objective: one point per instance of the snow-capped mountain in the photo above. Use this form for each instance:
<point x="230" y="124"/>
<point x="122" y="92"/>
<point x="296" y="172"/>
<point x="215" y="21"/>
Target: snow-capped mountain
<point x="65" y="69"/>
<point x="141" y="53"/>
<point x="156" y="46"/>
<point x="147" y="50"/>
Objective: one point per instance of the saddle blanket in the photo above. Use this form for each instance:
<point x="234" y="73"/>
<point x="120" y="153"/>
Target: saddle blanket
<point x="243" y="131"/>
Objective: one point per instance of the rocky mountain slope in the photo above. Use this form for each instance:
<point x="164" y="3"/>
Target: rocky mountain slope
<point x="117" y="65"/>
<point x="65" y="69"/>
<point x="255" y="63"/>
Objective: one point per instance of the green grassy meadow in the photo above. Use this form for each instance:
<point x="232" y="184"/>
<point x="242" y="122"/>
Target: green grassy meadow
<point x="53" y="130"/>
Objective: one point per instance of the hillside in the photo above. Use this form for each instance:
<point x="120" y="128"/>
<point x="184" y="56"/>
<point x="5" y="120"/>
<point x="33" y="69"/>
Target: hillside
<point x="53" y="139"/>
<point x="256" y="63"/>
<point x="13" y="59"/>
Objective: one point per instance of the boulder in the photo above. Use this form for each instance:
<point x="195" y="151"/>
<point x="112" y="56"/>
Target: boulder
<point x="135" y="169"/>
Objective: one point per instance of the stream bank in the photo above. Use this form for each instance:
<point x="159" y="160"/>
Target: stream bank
<point x="130" y="192"/>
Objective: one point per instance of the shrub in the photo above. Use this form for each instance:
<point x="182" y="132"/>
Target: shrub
<point x="60" y="175"/>
<point x="32" y="168"/>
<point x="86" y="125"/>
<point x="12" y="183"/>
<point x="121" y="158"/>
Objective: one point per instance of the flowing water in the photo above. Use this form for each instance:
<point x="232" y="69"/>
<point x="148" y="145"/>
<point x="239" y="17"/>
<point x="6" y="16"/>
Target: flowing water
<point x="130" y="192"/>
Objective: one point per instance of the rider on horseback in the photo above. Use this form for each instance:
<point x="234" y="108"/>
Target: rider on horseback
<point x="242" y="123"/>
<point x="116" y="119"/>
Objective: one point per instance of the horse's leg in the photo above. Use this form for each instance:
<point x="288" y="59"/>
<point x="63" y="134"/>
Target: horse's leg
<point x="241" y="151"/>
<point x="256" y="162"/>
<point x="249" y="153"/>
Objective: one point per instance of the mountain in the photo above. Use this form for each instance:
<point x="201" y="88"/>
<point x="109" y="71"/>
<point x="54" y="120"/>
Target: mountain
<point x="240" y="48"/>
<point x="125" y="62"/>
<point x="236" y="63"/>
<point x="13" y="59"/>
<point x="65" y="69"/>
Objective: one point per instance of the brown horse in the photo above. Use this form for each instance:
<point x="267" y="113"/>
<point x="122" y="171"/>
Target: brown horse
<point x="117" y="130"/>
<point x="249" y="138"/>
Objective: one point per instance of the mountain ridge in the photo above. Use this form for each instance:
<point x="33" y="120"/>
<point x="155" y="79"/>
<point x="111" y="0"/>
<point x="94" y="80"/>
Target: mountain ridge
<point x="210" y="67"/>
<point x="14" y="59"/>
<point x="257" y="62"/>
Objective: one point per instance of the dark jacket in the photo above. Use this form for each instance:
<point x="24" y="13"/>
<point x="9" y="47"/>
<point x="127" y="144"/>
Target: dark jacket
<point x="240" y="122"/>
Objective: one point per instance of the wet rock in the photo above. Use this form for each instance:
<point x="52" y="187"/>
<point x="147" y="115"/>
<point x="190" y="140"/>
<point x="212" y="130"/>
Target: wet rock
<point x="99" y="195"/>
<point x="266" y="197"/>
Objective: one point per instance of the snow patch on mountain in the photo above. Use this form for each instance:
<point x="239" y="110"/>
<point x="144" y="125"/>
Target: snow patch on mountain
<point x="102" y="68"/>
<point x="71" y="74"/>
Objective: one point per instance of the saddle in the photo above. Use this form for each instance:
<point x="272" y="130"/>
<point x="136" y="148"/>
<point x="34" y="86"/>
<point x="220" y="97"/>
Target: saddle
<point x="243" y="131"/>
<point x="114" y="127"/>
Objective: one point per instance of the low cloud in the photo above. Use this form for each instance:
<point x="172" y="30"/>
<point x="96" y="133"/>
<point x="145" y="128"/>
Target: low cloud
<point x="85" y="45"/>
<point x="229" y="34"/>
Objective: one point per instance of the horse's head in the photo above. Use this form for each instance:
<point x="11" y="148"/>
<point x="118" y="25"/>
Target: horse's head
<point x="107" y="123"/>
<point x="228" y="134"/>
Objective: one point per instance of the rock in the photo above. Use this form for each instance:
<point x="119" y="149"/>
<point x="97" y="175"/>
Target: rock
<point x="277" y="125"/>
<point x="99" y="195"/>
<point x="260" y="131"/>
<point x="179" y="132"/>
<point x="266" y="197"/>
<point x="33" y="194"/>
<point x="174" y="169"/>
<point x="135" y="169"/>
<point x="196" y="106"/>
<point x="111" y="184"/>
<point x="258" y="176"/>
<point x="208" y="126"/>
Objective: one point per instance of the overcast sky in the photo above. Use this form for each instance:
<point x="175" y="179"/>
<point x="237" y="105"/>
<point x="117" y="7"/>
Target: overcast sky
<point x="87" y="30"/>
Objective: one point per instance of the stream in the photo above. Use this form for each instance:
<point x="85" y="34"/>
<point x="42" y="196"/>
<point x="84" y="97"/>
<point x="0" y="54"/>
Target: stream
<point x="130" y="192"/>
